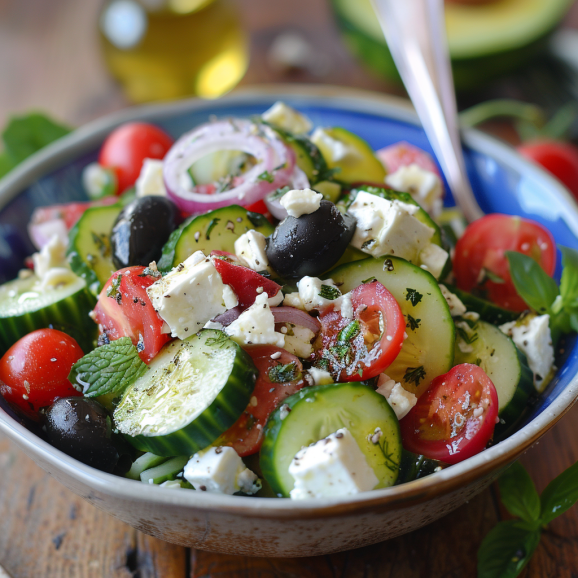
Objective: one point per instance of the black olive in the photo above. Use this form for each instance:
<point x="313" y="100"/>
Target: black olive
<point x="82" y="429"/>
<point x="141" y="229"/>
<point x="310" y="244"/>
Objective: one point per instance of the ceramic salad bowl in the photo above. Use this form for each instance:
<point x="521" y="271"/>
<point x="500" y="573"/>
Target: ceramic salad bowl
<point x="503" y="182"/>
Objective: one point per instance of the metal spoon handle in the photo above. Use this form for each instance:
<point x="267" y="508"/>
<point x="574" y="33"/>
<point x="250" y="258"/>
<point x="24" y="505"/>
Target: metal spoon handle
<point x="415" y="34"/>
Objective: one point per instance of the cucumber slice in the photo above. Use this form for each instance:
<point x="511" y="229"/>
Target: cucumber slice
<point x="413" y="467"/>
<point x="165" y="471"/>
<point x="214" y="231"/>
<point x="485" y="345"/>
<point x="331" y="191"/>
<point x="428" y="350"/>
<point x="24" y="307"/>
<point x="218" y="165"/>
<point x="316" y="412"/>
<point x="485" y="309"/>
<point x="194" y="391"/>
<point x="89" y="252"/>
<point x="145" y="462"/>
<point x="359" y="162"/>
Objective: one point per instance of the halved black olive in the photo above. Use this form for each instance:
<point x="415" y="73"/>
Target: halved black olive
<point x="310" y="244"/>
<point x="82" y="429"/>
<point x="141" y="229"/>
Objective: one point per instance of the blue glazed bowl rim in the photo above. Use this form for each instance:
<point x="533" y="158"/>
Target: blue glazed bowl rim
<point x="487" y="463"/>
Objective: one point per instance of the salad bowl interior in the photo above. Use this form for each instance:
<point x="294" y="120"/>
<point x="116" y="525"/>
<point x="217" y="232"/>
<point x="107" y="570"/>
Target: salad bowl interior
<point x="502" y="181"/>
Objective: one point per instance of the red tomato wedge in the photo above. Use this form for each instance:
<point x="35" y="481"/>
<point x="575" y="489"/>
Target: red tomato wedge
<point x="246" y="434"/>
<point x="480" y="262"/>
<point x="34" y="371"/>
<point x="403" y="154"/>
<point x="363" y="347"/>
<point x="128" y="146"/>
<point x="125" y="310"/>
<point x="455" y="418"/>
<point x="245" y="282"/>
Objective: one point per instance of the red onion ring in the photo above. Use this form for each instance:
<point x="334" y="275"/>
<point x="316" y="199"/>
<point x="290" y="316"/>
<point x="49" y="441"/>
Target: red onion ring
<point x="260" y="141"/>
<point x="299" y="180"/>
<point x="296" y="317"/>
<point x="229" y="316"/>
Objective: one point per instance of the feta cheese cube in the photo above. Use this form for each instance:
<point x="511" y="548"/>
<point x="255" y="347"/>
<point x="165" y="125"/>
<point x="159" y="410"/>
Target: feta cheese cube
<point x="388" y="227"/>
<point x="320" y="376"/>
<point x="298" y="202"/>
<point x="51" y="266"/>
<point x="190" y="295"/>
<point x="298" y="340"/>
<point x="334" y="466"/>
<point x="220" y="470"/>
<point x="309" y="295"/>
<point x="434" y="258"/>
<point x="256" y="325"/>
<point x="424" y="186"/>
<point x="457" y="308"/>
<point x="151" y="181"/>
<point x="400" y="400"/>
<point x="533" y="338"/>
<point x="287" y="118"/>
<point x="250" y="248"/>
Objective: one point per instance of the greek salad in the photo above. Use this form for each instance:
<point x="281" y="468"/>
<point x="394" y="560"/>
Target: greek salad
<point x="264" y="308"/>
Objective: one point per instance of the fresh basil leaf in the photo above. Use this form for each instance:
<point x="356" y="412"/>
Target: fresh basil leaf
<point x="569" y="280"/>
<point x="532" y="283"/>
<point x="27" y="134"/>
<point x="110" y="368"/>
<point x="507" y="549"/>
<point x="519" y="494"/>
<point x="560" y="494"/>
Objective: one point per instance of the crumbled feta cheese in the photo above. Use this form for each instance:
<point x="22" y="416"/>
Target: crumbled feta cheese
<point x="337" y="150"/>
<point x="95" y="179"/>
<point x="298" y="202"/>
<point x="287" y="118"/>
<point x="320" y="376"/>
<point x="345" y="305"/>
<point x="434" y="258"/>
<point x="309" y="295"/>
<point x="151" y="181"/>
<point x="250" y="247"/>
<point x="298" y="341"/>
<point x="171" y="484"/>
<point x="388" y="227"/>
<point x="51" y="266"/>
<point x="533" y="338"/>
<point x="220" y="470"/>
<point x="190" y="295"/>
<point x="400" y="400"/>
<point x="334" y="466"/>
<point x="457" y="308"/>
<point x="256" y="325"/>
<point x="424" y="186"/>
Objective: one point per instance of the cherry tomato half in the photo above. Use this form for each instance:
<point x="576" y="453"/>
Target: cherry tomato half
<point x="125" y="310"/>
<point x="455" y="418"/>
<point x="558" y="158"/>
<point x="480" y="262"/>
<point x="246" y="434"/>
<point x="128" y="146"/>
<point x="363" y="347"/>
<point x="34" y="371"/>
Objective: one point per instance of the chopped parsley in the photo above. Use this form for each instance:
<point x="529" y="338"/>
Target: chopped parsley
<point x="348" y="332"/>
<point x="284" y="373"/>
<point x="148" y="272"/>
<point x="266" y="176"/>
<point x="113" y="290"/>
<point x="329" y="292"/>
<point x="412" y="323"/>
<point x="220" y="341"/>
<point x="413" y="296"/>
<point x="414" y="375"/>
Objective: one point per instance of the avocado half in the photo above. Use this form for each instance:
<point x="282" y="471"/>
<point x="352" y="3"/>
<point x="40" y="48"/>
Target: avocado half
<point x="485" y="40"/>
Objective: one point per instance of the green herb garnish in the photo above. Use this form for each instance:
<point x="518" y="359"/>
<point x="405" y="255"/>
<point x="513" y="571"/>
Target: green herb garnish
<point x="412" y="323"/>
<point x="414" y="375"/>
<point x="413" y="296"/>
<point x="266" y="176"/>
<point x="329" y="292"/>
<point x="284" y="373"/>
<point x="113" y="290"/>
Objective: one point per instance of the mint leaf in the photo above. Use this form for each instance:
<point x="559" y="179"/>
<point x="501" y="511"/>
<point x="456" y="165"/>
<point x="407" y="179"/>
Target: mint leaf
<point x="532" y="283"/>
<point x="507" y="549"/>
<point x="560" y="494"/>
<point x="27" y="134"/>
<point x="108" y="369"/>
<point x="519" y="494"/>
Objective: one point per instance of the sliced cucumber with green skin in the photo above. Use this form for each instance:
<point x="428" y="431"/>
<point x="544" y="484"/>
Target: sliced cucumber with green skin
<point x="485" y="345"/>
<point x="194" y="391"/>
<point x="487" y="310"/>
<point x="428" y="350"/>
<point x="413" y="467"/>
<point x="330" y="190"/>
<point x="315" y="412"/>
<point x="218" y="165"/>
<point x="168" y="470"/>
<point x="214" y="231"/>
<point x="25" y="307"/>
<point x="89" y="252"/>
<point x="144" y="462"/>
<point x="359" y="164"/>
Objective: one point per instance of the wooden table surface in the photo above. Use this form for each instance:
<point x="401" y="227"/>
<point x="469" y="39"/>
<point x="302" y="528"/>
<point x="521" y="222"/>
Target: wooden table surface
<point x="49" y="59"/>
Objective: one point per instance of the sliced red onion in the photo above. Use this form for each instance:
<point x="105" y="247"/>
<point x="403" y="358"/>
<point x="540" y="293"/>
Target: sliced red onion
<point x="260" y="141"/>
<point x="296" y="317"/>
<point x="229" y="316"/>
<point x="299" y="180"/>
